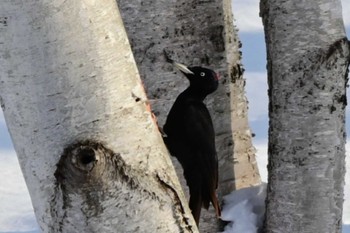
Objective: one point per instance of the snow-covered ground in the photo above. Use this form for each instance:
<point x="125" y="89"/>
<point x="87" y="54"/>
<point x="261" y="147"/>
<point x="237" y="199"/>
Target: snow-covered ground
<point x="16" y="211"/>
<point x="244" y="209"/>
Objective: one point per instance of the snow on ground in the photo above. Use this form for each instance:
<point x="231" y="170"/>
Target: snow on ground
<point x="244" y="209"/>
<point x="16" y="211"/>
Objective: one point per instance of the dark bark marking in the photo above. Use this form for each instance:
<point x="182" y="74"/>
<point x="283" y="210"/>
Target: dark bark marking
<point x="158" y="93"/>
<point x="301" y="83"/>
<point x="167" y="56"/>
<point x="146" y="49"/>
<point x="205" y="1"/>
<point x="135" y="97"/>
<point x="3" y="21"/>
<point x="2" y="103"/>
<point x="335" y="47"/>
<point x="236" y="72"/>
<point x="342" y="99"/>
<point x="217" y="38"/>
<point x="165" y="184"/>
<point x="319" y="56"/>
<point x="205" y="60"/>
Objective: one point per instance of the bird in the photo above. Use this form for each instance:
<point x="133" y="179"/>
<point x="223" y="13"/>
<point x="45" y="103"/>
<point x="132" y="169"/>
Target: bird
<point x="190" y="137"/>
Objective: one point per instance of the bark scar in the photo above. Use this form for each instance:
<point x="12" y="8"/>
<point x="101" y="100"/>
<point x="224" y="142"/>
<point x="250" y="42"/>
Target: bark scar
<point x="177" y="199"/>
<point x="3" y="21"/>
<point x="2" y="104"/>
<point x="337" y="45"/>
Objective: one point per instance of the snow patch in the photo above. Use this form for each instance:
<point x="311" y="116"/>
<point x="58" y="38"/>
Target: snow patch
<point x="16" y="212"/>
<point x="244" y="209"/>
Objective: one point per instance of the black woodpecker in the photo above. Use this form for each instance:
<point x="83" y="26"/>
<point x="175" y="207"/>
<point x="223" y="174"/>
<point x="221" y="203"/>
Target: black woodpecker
<point x="190" y="138"/>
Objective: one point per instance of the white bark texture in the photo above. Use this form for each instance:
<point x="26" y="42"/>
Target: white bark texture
<point x="91" y="155"/>
<point x="196" y="33"/>
<point x="308" y="56"/>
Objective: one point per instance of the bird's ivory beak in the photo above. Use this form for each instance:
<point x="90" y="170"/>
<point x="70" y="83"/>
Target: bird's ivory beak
<point x="182" y="68"/>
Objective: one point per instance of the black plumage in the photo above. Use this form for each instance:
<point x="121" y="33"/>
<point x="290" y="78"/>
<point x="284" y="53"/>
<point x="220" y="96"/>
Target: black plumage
<point x="190" y="138"/>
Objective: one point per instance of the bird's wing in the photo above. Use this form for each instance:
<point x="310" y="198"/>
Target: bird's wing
<point x="200" y="135"/>
<point x="199" y="128"/>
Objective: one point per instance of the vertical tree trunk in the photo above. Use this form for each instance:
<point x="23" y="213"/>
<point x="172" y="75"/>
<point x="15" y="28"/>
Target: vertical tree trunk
<point x="245" y="169"/>
<point x="90" y="153"/>
<point x="308" y="57"/>
<point x="196" y="33"/>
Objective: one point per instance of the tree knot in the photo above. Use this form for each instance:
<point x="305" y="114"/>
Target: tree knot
<point x="83" y="161"/>
<point x="84" y="157"/>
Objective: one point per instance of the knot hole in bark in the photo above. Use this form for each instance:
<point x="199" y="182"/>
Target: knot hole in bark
<point x="86" y="169"/>
<point x="83" y="161"/>
<point x="84" y="158"/>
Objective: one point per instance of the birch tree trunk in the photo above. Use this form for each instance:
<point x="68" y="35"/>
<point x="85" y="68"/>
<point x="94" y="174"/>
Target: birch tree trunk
<point x="308" y="57"/>
<point x="91" y="155"/>
<point x="196" y="33"/>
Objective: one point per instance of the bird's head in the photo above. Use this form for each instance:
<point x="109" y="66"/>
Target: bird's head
<point x="202" y="79"/>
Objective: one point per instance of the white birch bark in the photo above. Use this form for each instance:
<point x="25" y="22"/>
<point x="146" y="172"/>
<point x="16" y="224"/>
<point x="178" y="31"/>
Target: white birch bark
<point x="196" y="33"/>
<point x="308" y="57"/>
<point x="91" y="155"/>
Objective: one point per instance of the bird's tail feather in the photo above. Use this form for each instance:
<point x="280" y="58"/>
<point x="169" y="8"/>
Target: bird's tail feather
<point x="214" y="200"/>
<point x="196" y="204"/>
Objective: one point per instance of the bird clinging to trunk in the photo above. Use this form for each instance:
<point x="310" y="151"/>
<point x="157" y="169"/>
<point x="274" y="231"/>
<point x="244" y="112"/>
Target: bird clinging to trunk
<point x="190" y="137"/>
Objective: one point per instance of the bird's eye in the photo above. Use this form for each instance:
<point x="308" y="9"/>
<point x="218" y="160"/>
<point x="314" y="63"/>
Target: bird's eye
<point x="202" y="74"/>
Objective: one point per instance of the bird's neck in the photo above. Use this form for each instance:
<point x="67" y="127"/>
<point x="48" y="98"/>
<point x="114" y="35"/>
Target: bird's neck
<point x="192" y="93"/>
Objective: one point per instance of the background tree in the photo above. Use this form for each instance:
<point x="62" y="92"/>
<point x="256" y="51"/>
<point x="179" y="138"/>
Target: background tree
<point x="308" y="57"/>
<point x="196" y="33"/>
<point x="77" y="115"/>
